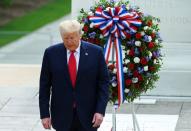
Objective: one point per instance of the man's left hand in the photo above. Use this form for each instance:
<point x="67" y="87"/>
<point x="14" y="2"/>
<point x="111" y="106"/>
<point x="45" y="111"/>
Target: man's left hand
<point x="97" y="119"/>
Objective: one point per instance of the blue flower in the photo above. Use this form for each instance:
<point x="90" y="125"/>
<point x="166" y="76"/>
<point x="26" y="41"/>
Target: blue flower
<point x="85" y="20"/>
<point x="113" y="79"/>
<point x="113" y="1"/>
<point x="129" y="74"/>
<point x="129" y="93"/>
<point x="158" y="53"/>
<point x="159" y="36"/>
<point x="131" y="42"/>
<point x="146" y="38"/>
<point x="140" y="70"/>
<point x="147" y="58"/>
<point x="92" y="35"/>
<point x="136" y="52"/>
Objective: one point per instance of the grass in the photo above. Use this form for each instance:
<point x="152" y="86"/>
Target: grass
<point x="53" y="10"/>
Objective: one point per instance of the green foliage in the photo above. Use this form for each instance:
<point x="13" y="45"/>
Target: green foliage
<point x="35" y="19"/>
<point x="5" y="3"/>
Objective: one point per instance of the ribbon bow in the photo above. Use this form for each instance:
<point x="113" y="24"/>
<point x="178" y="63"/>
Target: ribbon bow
<point x="116" y="23"/>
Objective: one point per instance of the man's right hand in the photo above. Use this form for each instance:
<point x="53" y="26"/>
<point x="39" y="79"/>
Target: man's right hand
<point x="46" y="122"/>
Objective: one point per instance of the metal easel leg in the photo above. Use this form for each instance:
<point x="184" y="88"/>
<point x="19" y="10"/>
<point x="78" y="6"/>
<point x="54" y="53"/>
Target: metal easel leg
<point x="135" y="121"/>
<point x="114" y="118"/>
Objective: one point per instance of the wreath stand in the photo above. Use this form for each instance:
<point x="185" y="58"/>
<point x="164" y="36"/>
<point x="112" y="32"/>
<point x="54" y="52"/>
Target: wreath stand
<point x="136" y="126"/>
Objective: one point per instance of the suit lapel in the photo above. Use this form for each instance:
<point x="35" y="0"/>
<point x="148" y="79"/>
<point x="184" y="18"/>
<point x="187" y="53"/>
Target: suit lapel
<point x="65" y="65"/>
<point x="82" y="61"/>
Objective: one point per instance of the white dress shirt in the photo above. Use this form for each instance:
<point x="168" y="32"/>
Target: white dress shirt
<point x="76" y="54"/>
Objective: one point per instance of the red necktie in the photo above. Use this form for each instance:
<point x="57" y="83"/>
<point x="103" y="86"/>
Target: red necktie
<point x="72" y="68"/>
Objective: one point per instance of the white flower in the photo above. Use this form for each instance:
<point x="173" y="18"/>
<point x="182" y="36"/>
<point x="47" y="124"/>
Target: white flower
<point x="156" y="41"/>
<point x="126" y="90"/>
<point x="146" y="68"/>
<point x="149" y="38"/>
<point x="91" y="25"/>
<point x="135" y="80"/>
<point x="150" y="54"/>
<point x="127" y="61"/>
<point x="137" y="43"/>
<point x="142" y="33"/>
<point x="101" y="36"/>
<point x="155" y="22"/>
<point x="122" y="47"/>
<point x="123" y="54"/>
<point x="82" y="32"/>
<point x="136" y="59"/>
<point x="114" y="70"/>
<point x="146" y="28"/>
<point x="154" y="31"/>
<point x="154" y="61"/>
<point x="90" y="13"/>
<point x="114" y="84"/>
<point x="125" y="69"/>
<point x="127" y="52"/>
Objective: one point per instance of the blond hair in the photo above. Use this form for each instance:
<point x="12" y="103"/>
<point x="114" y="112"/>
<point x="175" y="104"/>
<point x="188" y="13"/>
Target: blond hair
<point x="70" y="26"/>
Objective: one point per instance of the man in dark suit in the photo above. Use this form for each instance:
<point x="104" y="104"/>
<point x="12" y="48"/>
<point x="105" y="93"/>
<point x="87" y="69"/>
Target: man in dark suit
<point x="73" y="92"/>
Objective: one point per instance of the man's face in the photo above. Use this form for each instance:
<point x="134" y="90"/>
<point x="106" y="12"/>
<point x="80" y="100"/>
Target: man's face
<point x="71" y="40"/>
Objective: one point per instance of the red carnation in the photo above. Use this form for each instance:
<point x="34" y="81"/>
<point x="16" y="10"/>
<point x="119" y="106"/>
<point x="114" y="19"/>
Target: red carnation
<point x="137" y="85"/>
<point x="141" y="49"/>
<point x="128" y="82"/>
<point x="140" y="77"/>
<point x="143" y="61"/>
<point x="153" y="35"/>
<point x="91" y="40"/>
<point x="114" y="93"/>
<point x="138" y="35"/>
<point x="117" y="9"/>
<point x="150" y="23"/>
<point x="136" y="73"/>
<point x="151" y="45"/>
<point x="128" y="36"/>
<point x="97" y="41"/>
<point x="111" y="67"/>
<point x="152" y="68"/>
<point x="85" y="28"/>
<point x="131" y="66"/>
<point x="131" y="52"/>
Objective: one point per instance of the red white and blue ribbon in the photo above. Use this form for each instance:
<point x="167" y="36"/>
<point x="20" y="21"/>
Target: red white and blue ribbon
<point x="116" y="23"/>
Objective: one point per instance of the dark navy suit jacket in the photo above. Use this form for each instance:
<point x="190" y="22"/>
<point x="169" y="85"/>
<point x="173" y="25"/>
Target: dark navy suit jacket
<point x="56" y="95"/>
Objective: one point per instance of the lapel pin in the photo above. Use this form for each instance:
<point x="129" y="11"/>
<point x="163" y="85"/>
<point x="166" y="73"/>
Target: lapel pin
<point x="86" y="53"/>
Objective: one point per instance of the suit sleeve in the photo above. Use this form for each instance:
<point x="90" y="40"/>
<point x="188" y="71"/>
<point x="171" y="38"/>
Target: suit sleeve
<point x="44" y="90"/>
<point x="103" y="85"/>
